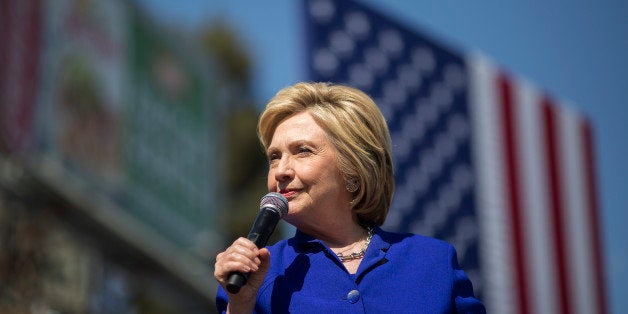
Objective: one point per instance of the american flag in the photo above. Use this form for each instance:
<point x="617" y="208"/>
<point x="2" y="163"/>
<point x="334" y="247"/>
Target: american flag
<point x="484" y="159"/>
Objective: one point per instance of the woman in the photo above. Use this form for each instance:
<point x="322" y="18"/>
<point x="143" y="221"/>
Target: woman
<point x="329" y="154"/>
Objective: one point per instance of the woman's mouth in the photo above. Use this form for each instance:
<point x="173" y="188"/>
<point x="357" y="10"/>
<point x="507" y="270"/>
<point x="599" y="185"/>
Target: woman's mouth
<point x="288" y="193"/>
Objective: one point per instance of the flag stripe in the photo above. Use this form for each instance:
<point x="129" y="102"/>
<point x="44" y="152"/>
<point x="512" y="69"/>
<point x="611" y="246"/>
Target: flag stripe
<point x="556" y="203"/>
<point x="495" y="237"/>
<point x="592" y="206"/>
<point x="578" y="232"/>
<point x="509" y="125"/>
<point x="539" y="251"/>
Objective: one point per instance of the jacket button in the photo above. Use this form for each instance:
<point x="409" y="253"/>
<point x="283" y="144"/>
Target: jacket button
<point x="353" y="296"/>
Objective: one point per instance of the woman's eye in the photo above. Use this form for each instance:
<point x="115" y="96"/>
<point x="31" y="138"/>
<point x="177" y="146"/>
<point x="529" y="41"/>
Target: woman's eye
<point x="304" y="150"/>
<point x="272" y="157"/>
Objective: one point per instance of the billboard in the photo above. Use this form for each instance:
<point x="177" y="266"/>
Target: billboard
<point x="119" y="117"/>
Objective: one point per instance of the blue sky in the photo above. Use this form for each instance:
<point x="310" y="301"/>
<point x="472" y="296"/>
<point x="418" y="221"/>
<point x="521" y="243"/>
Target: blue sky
<point x="576" y="50"/>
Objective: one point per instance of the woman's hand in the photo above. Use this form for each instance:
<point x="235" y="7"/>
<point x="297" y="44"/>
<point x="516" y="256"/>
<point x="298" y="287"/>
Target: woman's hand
<point x="242" y="256"/>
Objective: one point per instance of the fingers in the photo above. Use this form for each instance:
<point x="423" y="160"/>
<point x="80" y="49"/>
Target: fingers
<point x="264" y="256"/>
<point x="257" y="278"/>
<point x="241" y="256"/>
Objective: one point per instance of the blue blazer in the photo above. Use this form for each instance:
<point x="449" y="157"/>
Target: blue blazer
<point x="400" y="273"/>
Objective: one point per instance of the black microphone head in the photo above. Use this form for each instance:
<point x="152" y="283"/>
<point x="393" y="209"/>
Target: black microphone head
<point x="275" y="201"/>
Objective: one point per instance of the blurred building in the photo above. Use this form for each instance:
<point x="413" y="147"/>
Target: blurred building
<point x="109" y="164"/>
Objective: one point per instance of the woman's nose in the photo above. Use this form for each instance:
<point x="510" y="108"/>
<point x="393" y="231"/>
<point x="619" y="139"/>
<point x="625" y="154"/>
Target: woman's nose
<point x="284" y="170"/>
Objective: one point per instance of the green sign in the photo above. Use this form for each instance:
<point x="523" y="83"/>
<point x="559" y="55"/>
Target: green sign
<point x="171" y="141"/>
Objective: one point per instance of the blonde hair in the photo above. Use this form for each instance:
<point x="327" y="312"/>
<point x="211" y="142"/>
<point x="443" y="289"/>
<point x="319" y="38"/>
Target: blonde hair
<point x="355" y="127"/>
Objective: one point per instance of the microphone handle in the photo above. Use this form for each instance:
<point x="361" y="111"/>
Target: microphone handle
<point x="261" y="231"/>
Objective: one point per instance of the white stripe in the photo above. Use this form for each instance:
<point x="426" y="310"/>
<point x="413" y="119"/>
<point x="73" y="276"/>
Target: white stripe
<point x="539" y="250"/>
<point x="578" y="234"/>
<point x="496" y="258"/>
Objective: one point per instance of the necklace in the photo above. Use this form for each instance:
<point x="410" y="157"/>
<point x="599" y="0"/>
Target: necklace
<point x="359" y="254"/>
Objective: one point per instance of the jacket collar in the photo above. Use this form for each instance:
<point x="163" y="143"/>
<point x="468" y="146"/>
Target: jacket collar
<point x="306" y="242"/>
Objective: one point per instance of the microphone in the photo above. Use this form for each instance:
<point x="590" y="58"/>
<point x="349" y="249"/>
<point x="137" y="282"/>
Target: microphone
<point x="272" y="208"/>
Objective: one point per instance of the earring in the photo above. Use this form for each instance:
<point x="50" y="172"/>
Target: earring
<point x="352" y="185"/>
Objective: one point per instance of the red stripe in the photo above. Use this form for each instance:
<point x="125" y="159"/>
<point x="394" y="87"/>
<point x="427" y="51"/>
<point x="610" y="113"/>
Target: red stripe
<point x="589" y="167"/>
<point x="514" y="201"/>
<point x="556" y="201"/>
<point x="22" y="31"/>
<point x="29" y="89"/>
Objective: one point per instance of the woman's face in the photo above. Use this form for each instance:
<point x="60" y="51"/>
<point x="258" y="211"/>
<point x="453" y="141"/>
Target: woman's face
<point x="303" y="168"/>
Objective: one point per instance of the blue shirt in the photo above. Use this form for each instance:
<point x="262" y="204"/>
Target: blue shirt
<point x="400" y="273"/>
